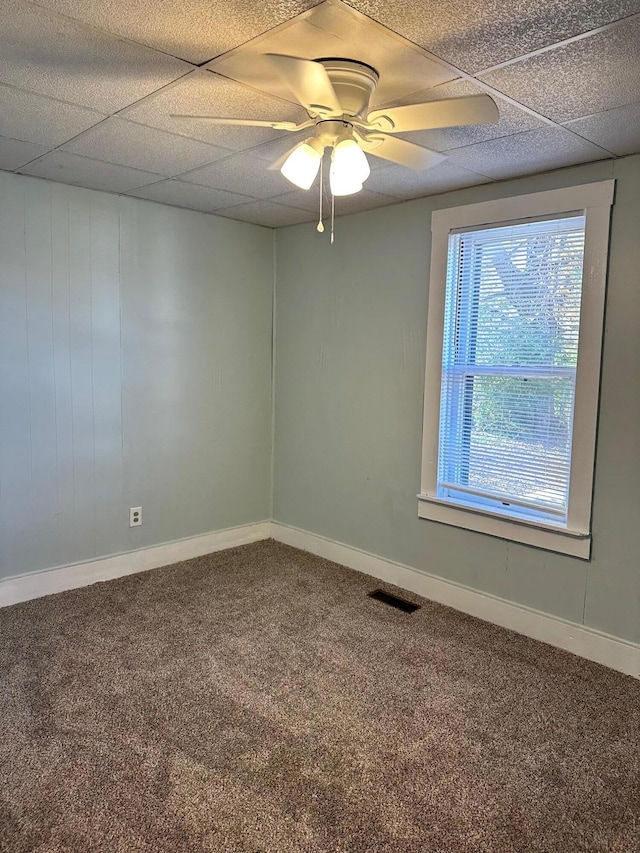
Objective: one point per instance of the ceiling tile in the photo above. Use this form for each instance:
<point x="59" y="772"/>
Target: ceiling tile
<point x="333" y="29"/>
<point x="355" y="203"/>
<point x="72" y="169"/>
<point x="44" y="121"/>
<point x="305" y="199"/>
<point x="512" y="119"/>
<point x="192" y="196"/>
<point x="616" y="130"/>
<point x="474" y="36"/>
<point x="594" y="74"/>
<point x="52" y="55"/>
<point x="526" y="153"/>
<point x="15" y="153"/>
<point x="204" y="93"/>
<point x="243" y="174"/>
<point x="406" y="183"/>
<point x="127" y="144"/>
<point x="60" y="78"/>
<point x="267" y="213"/>
<point x="359" y="202"/>
<point x="195" y="31"/>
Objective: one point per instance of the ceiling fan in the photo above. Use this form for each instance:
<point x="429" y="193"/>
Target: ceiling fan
<point x="336" y="95"/>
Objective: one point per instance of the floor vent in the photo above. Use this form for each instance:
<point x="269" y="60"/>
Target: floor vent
<point x="393" y="601"/>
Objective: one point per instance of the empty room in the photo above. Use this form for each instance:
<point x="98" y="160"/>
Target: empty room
<point x="319" y="426"/>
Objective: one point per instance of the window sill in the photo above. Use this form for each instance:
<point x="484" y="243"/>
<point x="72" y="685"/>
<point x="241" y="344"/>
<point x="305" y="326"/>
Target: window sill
<point x="572" y="542"/>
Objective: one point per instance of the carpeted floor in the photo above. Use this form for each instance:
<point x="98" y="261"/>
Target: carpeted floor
<point x="257" y="701"/>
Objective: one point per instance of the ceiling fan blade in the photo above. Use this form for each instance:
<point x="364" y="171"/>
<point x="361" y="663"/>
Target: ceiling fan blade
<point x="400" y="151"/>
<point x="245" y="122"/>
<point x="451" y="112"/>
<point x="308" y="81"/>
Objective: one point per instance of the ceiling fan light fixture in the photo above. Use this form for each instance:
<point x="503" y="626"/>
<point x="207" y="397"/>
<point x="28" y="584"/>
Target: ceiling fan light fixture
<point x="349" y="168"/>
<point x="301" y="166"/>
<point x="336" y="94"/>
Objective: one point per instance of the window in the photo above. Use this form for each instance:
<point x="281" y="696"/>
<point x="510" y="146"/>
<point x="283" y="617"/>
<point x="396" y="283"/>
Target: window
<point x="513" y="365"/>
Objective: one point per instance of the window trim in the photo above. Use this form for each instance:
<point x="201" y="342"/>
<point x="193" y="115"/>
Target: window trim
<point x="595" y="201"/>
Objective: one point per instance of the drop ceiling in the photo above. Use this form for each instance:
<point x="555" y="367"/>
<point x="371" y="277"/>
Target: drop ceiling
<point x="87" y="89"/>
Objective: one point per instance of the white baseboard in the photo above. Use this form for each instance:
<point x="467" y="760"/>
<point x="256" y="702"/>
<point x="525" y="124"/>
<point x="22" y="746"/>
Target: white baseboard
<point x="586" y="642"/>
<point x="36" y="584"/>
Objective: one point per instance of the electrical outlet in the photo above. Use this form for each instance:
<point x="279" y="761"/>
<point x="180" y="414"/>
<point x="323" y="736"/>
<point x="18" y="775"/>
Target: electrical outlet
<point x="135" y="516"/>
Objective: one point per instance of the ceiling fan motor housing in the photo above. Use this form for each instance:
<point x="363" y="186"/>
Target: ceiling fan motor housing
<point x="354" y="83"/>
<point x="330" y="131"/>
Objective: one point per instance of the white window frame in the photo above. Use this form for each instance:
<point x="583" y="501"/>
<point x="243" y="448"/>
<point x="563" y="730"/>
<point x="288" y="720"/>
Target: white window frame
<point x="594" y="200"/>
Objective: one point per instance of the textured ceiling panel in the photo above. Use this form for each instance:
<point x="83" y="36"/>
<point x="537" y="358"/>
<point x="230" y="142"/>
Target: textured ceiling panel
<point x="512" y="119"/>
<point x="64" y="68"/>
<point x="405" y="183"/>
<point x="204" y="93"/>
<point x="243" y="174"/>
<point x="120" y="141"/>
<point x="51" y="55"/>
<point x="267" y="213"/>
<point x="526" y="153"/>
<point x="616" y="130"/>
<point x="476" y="35"/>
<point x="310" y="200"/>
<point x="71" y="169"/>
<point x="333" y="29"/>
<point x="195" y="31"/>
<point x="14" y="153"/>
<point x="180" y="194"/>
<point x="594" y="74"/>
<point x="44" y="121"/>
<point x="365" y="200"/>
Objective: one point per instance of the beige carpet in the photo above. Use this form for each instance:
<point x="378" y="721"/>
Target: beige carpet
<point x="257" y="700"/>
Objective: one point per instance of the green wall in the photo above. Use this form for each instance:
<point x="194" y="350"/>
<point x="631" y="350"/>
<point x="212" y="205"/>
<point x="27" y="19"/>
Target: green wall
<point x="135" y="356"/>
<point x="350" y="351"/>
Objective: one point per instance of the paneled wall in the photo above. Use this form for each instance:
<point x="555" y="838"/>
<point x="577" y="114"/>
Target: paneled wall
<point x="135" y="359"/>
<point x="350" y="353"/>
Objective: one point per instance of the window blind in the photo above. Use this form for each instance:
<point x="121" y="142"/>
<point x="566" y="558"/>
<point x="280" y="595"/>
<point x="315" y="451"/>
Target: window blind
<point x="511" y="330"/>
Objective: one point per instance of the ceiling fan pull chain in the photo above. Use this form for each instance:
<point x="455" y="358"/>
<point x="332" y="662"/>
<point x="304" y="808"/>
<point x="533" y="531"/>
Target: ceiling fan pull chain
<point x="333" y="213"/>
<point x="320" y="226"/>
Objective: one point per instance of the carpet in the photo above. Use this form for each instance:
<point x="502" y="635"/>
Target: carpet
<point x="258" y="701"/>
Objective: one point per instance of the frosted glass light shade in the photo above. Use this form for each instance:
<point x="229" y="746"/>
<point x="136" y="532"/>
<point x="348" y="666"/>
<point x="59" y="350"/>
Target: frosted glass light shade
<point x="301" y="166"/>
<point x="349" y="168"/>
<point x="343" y="187"/>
